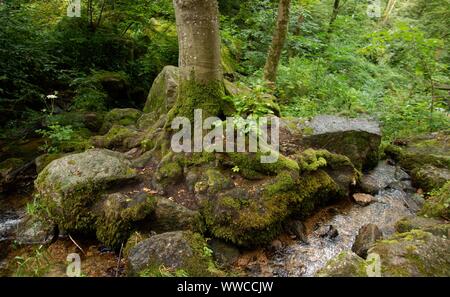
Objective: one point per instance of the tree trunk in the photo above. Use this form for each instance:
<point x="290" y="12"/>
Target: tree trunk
<point x="201" y="79"/>
<point x="279" y="38"/>
<point x="334" y="14"/>
<point x="389" y="8"/>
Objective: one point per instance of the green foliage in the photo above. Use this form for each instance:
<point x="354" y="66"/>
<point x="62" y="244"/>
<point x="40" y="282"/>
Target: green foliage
<point x="36" y="264"/>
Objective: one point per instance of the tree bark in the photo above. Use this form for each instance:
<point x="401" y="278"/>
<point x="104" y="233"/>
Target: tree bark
<point x="278" y="40"/>
<point x="334" y="14"/>
<point x="201" y="79"/>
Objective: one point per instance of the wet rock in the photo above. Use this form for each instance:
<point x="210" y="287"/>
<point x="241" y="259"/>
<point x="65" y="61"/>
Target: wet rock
<point x="382" y="177"/>
<point x="367" y="236"/>
<point x="171" y="216"/>
<point x="122" y="117"/>
<point x="358" y="139"/>
<point x="363" y="199"/>
<point x="434" y="226"/>
<point x="438" y="205"/>
<point x="175" y="251"/>
<point x="413" y="254"/>
<point x="327" y="231"/>
<point x="346" y="264"/>
<point x="70" y="186"/>
<point x="32" y="231"/>
<point x="163" y="93"/>
<point x="224" y="254"/>
<point x="426" y="158"/>
<point x="296" y="228"/>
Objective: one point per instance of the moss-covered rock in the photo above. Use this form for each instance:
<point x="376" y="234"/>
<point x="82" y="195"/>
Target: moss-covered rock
<point x="172" y="252"/>
<point x="118" y="214"/>
<point x="69" y="187"/>
<point x="119" y="137"/>
<point x="346" y="264"/>
<point x="43" y="160"/>
<point x="121" y="117"/>
<point x="163" y="93"/>
<point x="415" y="253"/>
<point x="434" y="226"/>
<point x="171" y="216"/>
<point x="253" y="213"/>
<point x="426" y="158"/>
<point x="438" y="205"/>
<point x="358" y="139"/>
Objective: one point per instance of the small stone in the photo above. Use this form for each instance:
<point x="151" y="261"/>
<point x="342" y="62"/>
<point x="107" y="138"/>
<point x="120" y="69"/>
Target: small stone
<point x="363" y="199"/>
<point x="328" y="231"/>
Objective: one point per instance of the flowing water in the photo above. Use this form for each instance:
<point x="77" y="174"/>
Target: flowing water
<point x="297" y="258"/>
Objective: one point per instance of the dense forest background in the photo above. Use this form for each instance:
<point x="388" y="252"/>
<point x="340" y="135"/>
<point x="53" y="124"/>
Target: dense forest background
<point x="55" y="69"/>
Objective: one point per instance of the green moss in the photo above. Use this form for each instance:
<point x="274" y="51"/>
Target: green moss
<point x="118" y="136"/>
<point x="249" y="218"/>
<point x="193" y="95"/>
<point x="438" y="205"/>
<point x="119" y="213"/>
<point x="169" y="172"/>
<point x="121" y="117"/>
<point x="251" y="167"/>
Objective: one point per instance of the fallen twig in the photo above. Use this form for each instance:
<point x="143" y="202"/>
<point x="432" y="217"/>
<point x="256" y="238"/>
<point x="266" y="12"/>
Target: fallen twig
<point x="77" y="244"/>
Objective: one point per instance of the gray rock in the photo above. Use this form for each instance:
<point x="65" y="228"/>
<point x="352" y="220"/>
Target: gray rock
<point x="70" y="186"/>
<point x="327" y="231"/>
<point x="171" y="216"/>
<point x="367" y="236"/>
<point x="163" y="93"/>
<point x="358" y="139"/>
<point x="32" y="231"/>
<point x="174" y="251"/>
<point x="346" y="264"/>
<point x="381" y="177"/>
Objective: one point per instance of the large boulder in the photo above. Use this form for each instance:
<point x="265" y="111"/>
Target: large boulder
<point x="69" y="187"/>
<point x="358" y="139"/>
<point x="426" y="158"/>
<point x="173" y="253"/>
<point x="163" y="93"/>
<point x="416" y="253"/>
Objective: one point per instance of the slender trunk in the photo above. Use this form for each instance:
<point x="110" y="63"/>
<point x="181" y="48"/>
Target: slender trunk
<point x="389" y="8"/>
<point x="278" y="40"/>
<point x="334" y="15"/>
<point x="201" y="78"/>
<point x="300" y="20"/>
